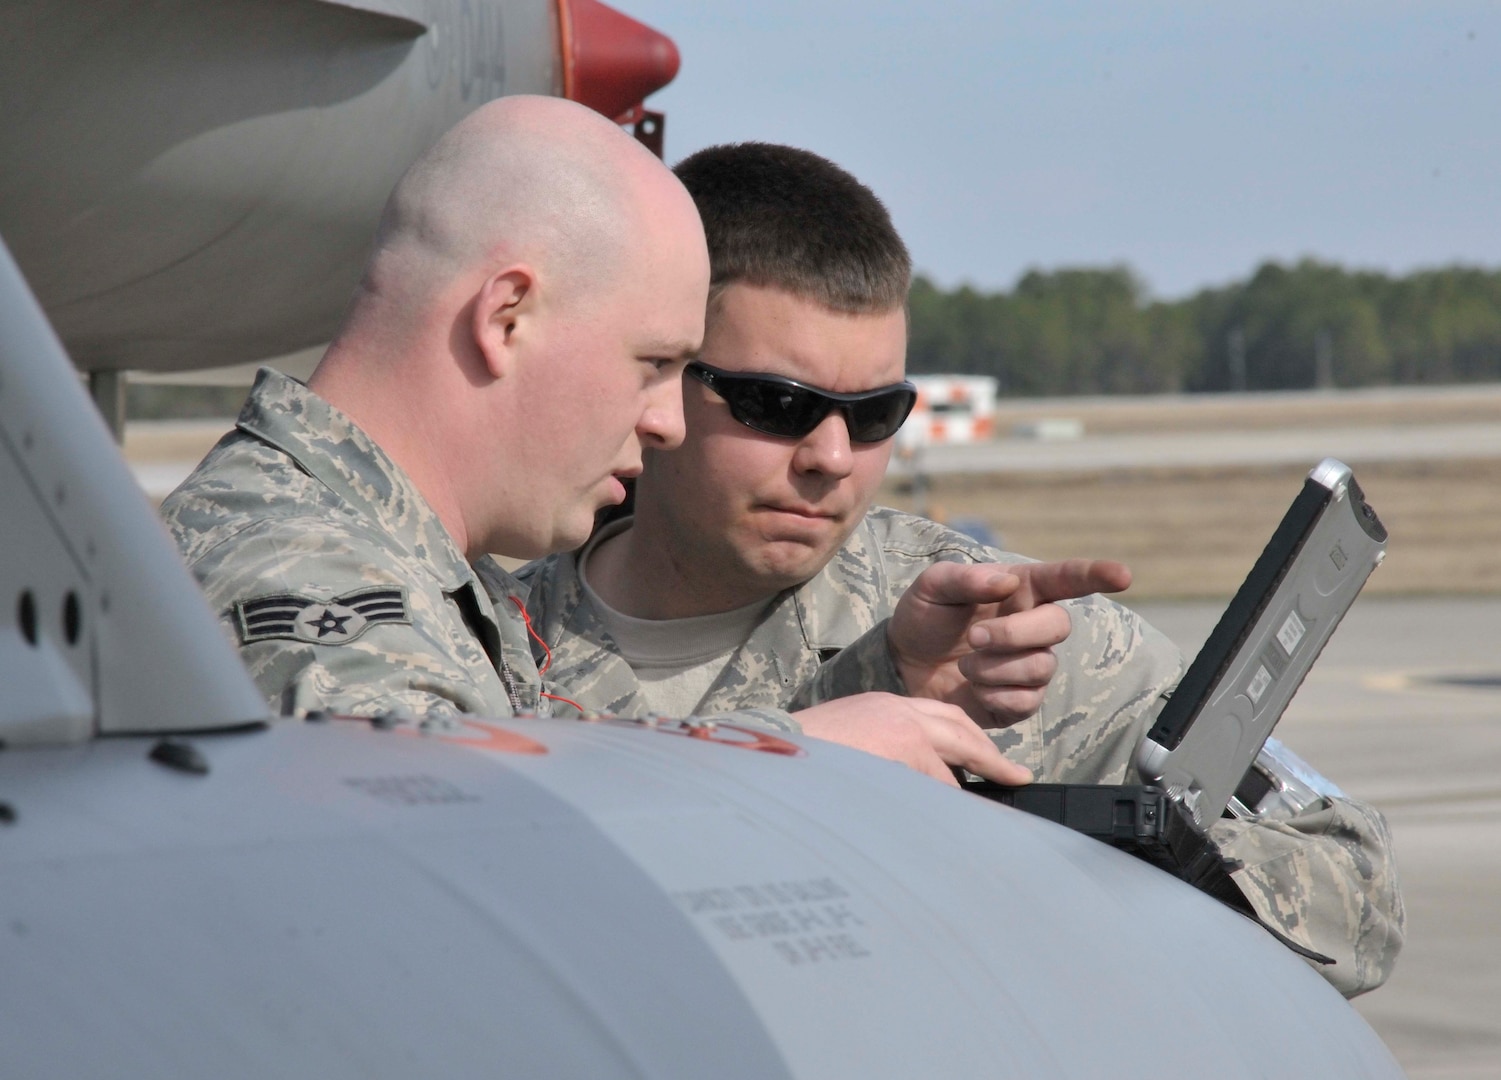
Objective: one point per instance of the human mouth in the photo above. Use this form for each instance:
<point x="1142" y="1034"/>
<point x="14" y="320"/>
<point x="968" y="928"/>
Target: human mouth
<point x="618" y="480"/>
<point x="806" y="513"/>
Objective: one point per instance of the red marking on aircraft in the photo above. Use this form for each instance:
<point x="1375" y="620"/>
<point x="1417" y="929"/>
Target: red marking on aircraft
<point x="611" y="62"/>
<point x="475" y="734"/>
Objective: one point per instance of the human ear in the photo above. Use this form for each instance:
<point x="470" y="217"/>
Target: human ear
<point x="502" y="307"/>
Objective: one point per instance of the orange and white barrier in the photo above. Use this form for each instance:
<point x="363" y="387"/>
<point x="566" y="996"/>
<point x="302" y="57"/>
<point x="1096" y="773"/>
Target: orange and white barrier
<point x="950" y="409"/>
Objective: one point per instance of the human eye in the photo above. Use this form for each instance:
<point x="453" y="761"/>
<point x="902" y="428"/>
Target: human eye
<point x="666" y="367"/>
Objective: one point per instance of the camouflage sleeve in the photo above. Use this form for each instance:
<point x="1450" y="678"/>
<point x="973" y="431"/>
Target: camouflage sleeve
<point x="1326" y="879"/>
<point x="1113" y="669"/>
<point x="864" y="665"/>
<point x="293" y="601"/>
<point x="394" y="678"/>
<point x="770" y="719"/>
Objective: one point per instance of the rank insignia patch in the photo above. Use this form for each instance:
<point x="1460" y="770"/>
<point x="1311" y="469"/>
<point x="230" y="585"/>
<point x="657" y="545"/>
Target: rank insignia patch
<point x="320" y="622"/>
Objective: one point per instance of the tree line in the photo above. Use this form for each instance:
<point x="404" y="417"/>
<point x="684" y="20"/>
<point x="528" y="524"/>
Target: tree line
<point x="1312" y="324"/>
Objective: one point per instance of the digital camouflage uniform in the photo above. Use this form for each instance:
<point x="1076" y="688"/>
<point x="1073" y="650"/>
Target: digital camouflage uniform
<point x="340" y="585"/>
<point x="1325" y="878"/>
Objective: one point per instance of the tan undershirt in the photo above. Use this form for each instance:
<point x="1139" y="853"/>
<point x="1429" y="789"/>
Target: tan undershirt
<point x="675" y="660"/>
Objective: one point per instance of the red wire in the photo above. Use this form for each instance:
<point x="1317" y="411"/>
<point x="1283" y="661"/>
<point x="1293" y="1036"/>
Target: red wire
<point x="546" y="652"/>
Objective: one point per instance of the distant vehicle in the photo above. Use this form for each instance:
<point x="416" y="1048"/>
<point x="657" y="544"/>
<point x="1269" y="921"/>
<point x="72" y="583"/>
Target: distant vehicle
<point x="190" y="887"/>
<point x="950" y="409"/>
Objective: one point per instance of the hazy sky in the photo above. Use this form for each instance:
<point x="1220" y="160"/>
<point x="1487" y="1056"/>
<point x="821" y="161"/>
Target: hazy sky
<point x="1191" y="140"/>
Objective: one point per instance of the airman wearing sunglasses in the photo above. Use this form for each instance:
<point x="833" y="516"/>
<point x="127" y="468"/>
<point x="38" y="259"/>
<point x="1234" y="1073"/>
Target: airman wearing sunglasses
<point x="754" y="554"/>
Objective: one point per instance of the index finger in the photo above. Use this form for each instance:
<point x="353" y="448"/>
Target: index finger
<point x="959" y="741"/>
<point x="1043" y="583"/>
<point x="997" y="767"/>
<point x="967" y="583"/>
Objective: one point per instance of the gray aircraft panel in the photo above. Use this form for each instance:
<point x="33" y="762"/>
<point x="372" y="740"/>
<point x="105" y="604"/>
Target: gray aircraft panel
<point x="376" y="902"/>
<point x="912" y="859"/>
<point x="188" y="184"/>
<point x="98" y="573"/>
<point x="281" y="905"/>
<point x="411" y="12"/>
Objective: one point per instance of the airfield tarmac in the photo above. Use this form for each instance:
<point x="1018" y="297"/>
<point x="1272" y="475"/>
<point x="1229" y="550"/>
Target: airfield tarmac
<point x="1403" y="710"/>
<point x="1383" y="424"/>
<point x="1404" y="707"/>
<point x="1185" y="490"/>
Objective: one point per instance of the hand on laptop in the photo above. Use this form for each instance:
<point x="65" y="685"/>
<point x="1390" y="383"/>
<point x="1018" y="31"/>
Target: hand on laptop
<point x="981" y="636"/>
<point x="930" y="736"/>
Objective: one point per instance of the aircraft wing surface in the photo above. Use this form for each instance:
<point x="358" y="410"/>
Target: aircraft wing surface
<point x="561" y="898"/>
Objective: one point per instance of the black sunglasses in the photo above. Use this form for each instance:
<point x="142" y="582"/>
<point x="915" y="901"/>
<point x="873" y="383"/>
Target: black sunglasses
<point x="775" y="405"/>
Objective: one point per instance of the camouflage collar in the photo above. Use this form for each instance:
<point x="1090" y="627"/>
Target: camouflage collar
<point x="329" y="446"/>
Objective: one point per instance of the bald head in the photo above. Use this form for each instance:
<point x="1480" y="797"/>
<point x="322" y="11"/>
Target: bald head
<point x="531" y="179"/>
<point x="537" y="282"/>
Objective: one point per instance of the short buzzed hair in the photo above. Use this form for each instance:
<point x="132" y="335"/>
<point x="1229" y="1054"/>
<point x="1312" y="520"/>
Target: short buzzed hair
<point x="780" y="217"/>
<point x="502" y="183"/>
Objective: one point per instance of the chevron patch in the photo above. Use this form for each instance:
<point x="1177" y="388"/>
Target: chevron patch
<point x="320" y="622"/>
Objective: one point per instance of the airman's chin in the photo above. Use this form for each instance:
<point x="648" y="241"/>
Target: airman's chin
<point x="574" y="536"/>
<point x="785" y="564"/>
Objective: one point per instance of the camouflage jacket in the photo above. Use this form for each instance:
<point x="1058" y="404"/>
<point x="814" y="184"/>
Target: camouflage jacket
<point x="1325" y="878"/>
<point x="340" y="585"/>
<point x="335" y="578"/>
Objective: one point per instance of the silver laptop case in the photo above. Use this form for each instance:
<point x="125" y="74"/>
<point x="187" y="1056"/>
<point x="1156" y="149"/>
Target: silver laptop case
<point x="1212" y="728"/>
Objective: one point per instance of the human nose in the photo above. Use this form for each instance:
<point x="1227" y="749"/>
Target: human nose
<point x="661" y="424"/>
<point x="826" y="449"/>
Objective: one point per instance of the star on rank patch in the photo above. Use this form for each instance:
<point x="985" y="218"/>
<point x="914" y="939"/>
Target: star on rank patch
<point x="320" y="622"/>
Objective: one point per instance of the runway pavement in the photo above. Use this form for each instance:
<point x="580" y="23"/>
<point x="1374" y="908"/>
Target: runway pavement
<point x="1356" y="445"/>
<point x="1404" y="710"/>
<point x="1179" y="449"/>
<point x="1359" y="426"/>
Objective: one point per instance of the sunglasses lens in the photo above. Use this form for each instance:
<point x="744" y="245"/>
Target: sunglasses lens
<point x="775" y="406"/>
<point x="785" y="411"/>
<point x="877" y="418"/>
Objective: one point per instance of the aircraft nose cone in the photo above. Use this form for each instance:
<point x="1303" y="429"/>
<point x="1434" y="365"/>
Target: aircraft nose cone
<point x="611" y="61"/>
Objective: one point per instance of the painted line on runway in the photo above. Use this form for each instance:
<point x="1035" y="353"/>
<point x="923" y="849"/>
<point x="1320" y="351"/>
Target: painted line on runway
<point x="1201" y="449"/>
<point x="1465" y="683"/>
